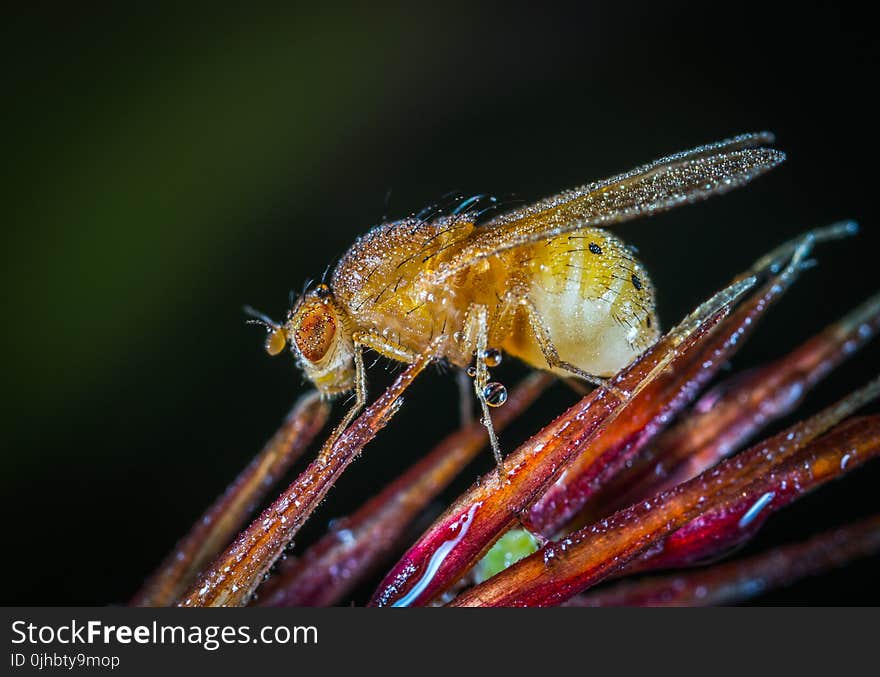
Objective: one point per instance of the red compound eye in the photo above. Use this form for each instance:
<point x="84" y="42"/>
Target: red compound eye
<point x="315" y="332"/>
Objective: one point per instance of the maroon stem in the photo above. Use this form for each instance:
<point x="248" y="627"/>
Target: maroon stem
<point x="219" y="524"/>
<point x="234" y="576"/>
<point x="355" y="545"/>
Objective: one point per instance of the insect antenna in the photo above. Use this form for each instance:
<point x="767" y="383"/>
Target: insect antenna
<point x="259" y="318"/>
<point x="276" y="338"/>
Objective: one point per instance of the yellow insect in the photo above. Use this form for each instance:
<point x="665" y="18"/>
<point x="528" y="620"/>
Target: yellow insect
<point x="545" y="283"/>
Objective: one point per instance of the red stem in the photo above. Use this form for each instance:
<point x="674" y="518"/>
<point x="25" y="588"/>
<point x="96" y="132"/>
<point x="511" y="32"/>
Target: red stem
<point x="782" y="470"/>
<point x="355" y="545"/>
<point x="741" y="580"/>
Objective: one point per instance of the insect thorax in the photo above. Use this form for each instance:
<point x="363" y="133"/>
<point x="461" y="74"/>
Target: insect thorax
<point x="382" y="282"/>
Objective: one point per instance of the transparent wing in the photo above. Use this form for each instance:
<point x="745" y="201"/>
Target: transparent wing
<point x="671" y="181"/>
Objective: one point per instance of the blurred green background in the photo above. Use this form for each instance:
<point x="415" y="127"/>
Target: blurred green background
<point x="165" y="168"/>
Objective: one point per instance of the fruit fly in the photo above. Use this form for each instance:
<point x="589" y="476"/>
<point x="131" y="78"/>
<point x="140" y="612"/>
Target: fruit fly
<point x="547" y="283"/>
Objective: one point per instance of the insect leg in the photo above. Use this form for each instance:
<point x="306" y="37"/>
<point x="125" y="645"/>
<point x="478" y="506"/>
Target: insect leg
<point x="477" y="339"/>
<point x="360" y="394"/>
<point x="545" y="343"/>
<point x="385" y="347"/>
<point x="380" y="345"/>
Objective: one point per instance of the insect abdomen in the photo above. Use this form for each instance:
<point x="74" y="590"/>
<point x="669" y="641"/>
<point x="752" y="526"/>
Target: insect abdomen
<point x="594" y="298"/>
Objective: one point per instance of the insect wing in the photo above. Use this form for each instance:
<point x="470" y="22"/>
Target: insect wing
<point x="671" y="181"/>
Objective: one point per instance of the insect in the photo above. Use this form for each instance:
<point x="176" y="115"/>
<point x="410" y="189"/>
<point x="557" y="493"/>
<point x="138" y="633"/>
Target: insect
<point x="546" y="283"/>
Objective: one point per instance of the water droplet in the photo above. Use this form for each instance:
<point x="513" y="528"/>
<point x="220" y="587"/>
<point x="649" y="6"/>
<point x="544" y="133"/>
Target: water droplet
<point x="756" y="509"/>
<point x="472" y="371"/>
<point x="492" y="357"/>
<point x="495" y="394"/>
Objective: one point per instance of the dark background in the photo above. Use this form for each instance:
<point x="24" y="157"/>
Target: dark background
<point x="163" y="169"/>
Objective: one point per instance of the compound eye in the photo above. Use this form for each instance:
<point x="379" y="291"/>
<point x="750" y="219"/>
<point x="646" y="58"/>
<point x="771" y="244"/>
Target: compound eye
<point x="314" y="335"/>
<point x="275" y="341"/>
